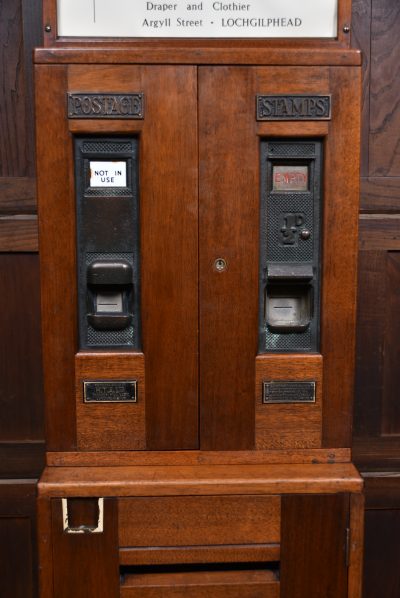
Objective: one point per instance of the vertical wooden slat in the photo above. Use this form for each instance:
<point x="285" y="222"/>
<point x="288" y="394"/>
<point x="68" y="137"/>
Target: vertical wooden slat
<point x="361" y="38"/>
<point x="169" y="256"/>
<point x="45" y="547"/>
<point x="313" y="559"/>
<point x="339" y="251"/>
<point x="356" y="545"/>
<point x="229" y="217"/>
<point x="57" y="247"/>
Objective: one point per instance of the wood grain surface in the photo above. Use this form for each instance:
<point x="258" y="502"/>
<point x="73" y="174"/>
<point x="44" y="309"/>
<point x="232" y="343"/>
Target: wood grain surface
<point x="377" y="441"/>
<point x="382" y="553"/>
<point x="20" y="357"/>
<point x="85" y="564"/>
<point x="384" y="105"/>
<point x="18" y="555"/>
<point x="252" y="583"/>
<point x="313" y="540"/>
<point x="110" y="426"/>
<point x="339" y="246"/>
<point x="228" y="228"/>
<point x="202" y="520"/>
<point x="142" y="53"/>
<point x="301" y="456"/>
<point x="291" y="425"/>
<point x="168" y="245"/>
<point x="356" y="545"/>
<point x="238" y="553"/>
<point x="199" y="480"/>
<point x="56" y="193"/>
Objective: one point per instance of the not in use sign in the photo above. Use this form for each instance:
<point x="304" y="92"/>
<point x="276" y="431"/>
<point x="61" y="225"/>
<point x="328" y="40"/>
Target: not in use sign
<point x="204" y="18"/>
<point x="107" y="174"/>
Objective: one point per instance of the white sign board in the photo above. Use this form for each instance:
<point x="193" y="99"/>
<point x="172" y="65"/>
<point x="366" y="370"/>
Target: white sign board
<point x="107" y="174"/>
<point x="201" y="19"/>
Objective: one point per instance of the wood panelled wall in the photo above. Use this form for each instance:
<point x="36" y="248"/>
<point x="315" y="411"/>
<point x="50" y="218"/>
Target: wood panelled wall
<point x="376" y="434"/>
<point x="376" y="29"/>
<point x="21" y="395"/>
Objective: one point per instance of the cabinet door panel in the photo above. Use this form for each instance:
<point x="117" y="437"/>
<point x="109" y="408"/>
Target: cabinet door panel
<point x="228" y="225"/>
<point x="166" y="413"/>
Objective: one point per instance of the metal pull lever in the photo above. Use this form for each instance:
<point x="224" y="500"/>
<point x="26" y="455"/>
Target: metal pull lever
<point x="110" y="294"/>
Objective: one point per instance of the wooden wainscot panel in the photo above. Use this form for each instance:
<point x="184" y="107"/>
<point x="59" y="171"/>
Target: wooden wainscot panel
<point x="288" y="425"/>
<point x="252" y="583"/>
<point x="113" y="425"/>
<point x="199" y="520"/>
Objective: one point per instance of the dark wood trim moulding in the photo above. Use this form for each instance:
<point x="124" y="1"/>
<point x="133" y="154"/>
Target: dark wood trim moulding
<point x="22" y="459"/>
<point x="176" y="54"/>
<point x="126" y="458"/>
<point x="17" y="195"/>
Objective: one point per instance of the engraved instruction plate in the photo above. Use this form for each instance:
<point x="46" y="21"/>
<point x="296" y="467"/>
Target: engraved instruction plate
<point x="121" y="391"/>
<point x="105" y="105"/>
<point x="288" y="392"/>
<point x="298" y="107"/>
<point x="199" y="18"/>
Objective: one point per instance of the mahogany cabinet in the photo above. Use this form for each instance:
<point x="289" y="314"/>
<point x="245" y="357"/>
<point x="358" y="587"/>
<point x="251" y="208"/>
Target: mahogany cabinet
<point x="198" y="206"/>
<point x="199" y="366"/>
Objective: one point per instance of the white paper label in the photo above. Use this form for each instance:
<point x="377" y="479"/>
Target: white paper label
<point x="207" y="18"/>
<point x="108" y="174"/>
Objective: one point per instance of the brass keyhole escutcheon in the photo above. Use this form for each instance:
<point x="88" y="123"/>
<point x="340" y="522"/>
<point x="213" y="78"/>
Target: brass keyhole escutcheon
<point x="220" y="264"/>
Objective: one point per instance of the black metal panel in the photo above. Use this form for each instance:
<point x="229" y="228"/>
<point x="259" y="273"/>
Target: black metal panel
<point x="108" y="240"/>
<point x="290" y="245"/>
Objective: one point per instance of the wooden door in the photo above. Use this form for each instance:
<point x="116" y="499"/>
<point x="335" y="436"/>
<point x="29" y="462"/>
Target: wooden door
<point x="232" y="413"/>
<point x="166" y="365"/>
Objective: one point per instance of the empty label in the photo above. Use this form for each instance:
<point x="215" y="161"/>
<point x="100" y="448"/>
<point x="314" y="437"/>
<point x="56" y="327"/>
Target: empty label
<point x="108" y="174"/>
<point x="290" y="178"/>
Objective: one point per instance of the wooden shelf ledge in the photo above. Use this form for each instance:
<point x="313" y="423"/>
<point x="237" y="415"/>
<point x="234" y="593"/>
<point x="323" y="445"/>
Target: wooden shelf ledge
<point x="199" y="480"/>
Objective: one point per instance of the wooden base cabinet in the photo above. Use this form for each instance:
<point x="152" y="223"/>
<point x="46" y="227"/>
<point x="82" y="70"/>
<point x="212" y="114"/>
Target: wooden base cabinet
<point x="255" y="531"/>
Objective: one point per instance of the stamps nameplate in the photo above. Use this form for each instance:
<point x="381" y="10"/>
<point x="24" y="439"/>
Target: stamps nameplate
<point x="297" y="107"/>
<point x="121" y="391"/>
<point x="288" y="392"/>
<point x="106" y="105"/>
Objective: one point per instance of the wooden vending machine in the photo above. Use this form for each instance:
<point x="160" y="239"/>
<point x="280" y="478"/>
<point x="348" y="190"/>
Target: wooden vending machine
<point x="198" y="202"/>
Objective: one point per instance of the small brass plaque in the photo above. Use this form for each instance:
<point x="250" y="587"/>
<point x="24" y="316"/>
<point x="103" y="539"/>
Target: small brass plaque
<point x="121" y="391"/>
<point x="105" y="105"/>
<point x="288" y="392"/>
<point x="298" y="107"/>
